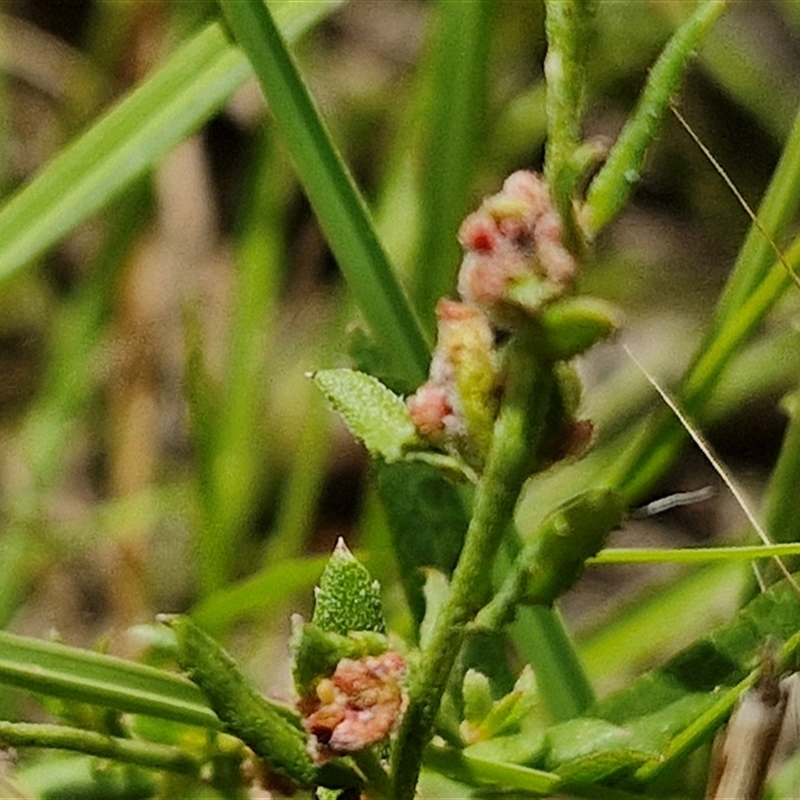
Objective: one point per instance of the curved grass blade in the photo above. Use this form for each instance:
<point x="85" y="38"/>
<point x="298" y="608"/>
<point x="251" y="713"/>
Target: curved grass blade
<point x="130" y="139"/>
<point x="453" y="122"/>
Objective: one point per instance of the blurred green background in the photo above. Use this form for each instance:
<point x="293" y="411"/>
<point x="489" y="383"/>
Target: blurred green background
<point x="160" y="445"/>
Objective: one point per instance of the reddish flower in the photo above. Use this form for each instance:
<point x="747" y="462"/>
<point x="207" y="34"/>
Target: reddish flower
<point x="515" y="234"/>
<point x="358" y="706"/>
<point x="430" y="409"/>
<point x="457" y="404"/>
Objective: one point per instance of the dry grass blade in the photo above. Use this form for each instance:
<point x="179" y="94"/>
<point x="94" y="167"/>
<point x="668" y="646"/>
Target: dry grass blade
<point x="705" y="448"/>
<point x="739" y="196"/>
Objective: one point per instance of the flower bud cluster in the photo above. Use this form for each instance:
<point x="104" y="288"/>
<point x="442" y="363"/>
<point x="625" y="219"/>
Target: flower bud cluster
<point x="514" y="237"/>
<point x="358" y="706"/>
<point x="457" y="404"/>
<point x="514" y="263"/>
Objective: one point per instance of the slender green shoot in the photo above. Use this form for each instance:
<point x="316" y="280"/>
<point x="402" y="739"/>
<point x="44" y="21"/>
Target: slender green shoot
<point x="128" y="751"/>
<point x="692" y="555"/>
<point x="517" y="433"/>
<point x="339" y="206"/>
<point x="611" y="187"/>
<point x="130" y="139"/>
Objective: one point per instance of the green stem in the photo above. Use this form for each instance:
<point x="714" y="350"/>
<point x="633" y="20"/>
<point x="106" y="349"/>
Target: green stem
<point x="517" y="433"/>
<point x="612" y="186"/>
<point x="565" y="74"/>
<point x="378" y="781"/>
<point x="131" y="751"/>
<point x="553" y="558"/>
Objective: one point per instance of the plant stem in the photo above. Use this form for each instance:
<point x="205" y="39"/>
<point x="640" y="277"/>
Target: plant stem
<point x="370" y="765"/>
<point x="565" y="73"/>
<point x="131" y="751"/>
<point x="612" y="186"/>
<point x="517" y="433"/>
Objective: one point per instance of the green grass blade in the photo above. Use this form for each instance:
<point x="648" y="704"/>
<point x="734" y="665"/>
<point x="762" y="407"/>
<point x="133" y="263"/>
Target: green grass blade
<point x="233" y="457"/>
<point x="68" y="380"/>
<point x="776" y="210"/>
<point x="454" y="130"/>
<point x="655" y="451"/>
<point x="333" y="194"/>
<point x="640" y="635"/>
<point x="129" y="140"/>
<point x="259" y="593"/>
<point x="542" y="640"/>
<point x="57" y="670"/>
<point x="693" y="555"/>
<point x="782" y="517"/>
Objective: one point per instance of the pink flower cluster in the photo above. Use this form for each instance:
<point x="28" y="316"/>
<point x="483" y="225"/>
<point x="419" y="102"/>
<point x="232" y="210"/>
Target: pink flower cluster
<point x="513" y="238"/>
<point x="514" y="235"/>
<point x="358" y="706"/>
<point x="464" y="339"/>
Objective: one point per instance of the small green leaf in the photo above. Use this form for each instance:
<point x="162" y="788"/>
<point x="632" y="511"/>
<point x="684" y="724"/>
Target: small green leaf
<point x="435" y="592"/>
<point x="317" y="652"/>
<point x="427" y="518"/>
<point x="474" y="769"/>
<point x="572" y="325"/>
<point x="347" y="598"/>
<point x="526" y="747"/>
<point x="373" y="413"/>
<point x="478" y="699"/>
<point x="509" y="712"/>
<point x="586" y="750"/>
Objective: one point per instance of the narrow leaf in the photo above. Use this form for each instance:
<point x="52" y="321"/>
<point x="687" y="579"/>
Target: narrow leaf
<point x="130" y="139"/>
<point x="59" y="671"/>
<point x="334" y="196"/>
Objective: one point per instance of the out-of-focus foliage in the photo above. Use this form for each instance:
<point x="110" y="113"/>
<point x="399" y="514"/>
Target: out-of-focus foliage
<point x="161" y="447"/>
